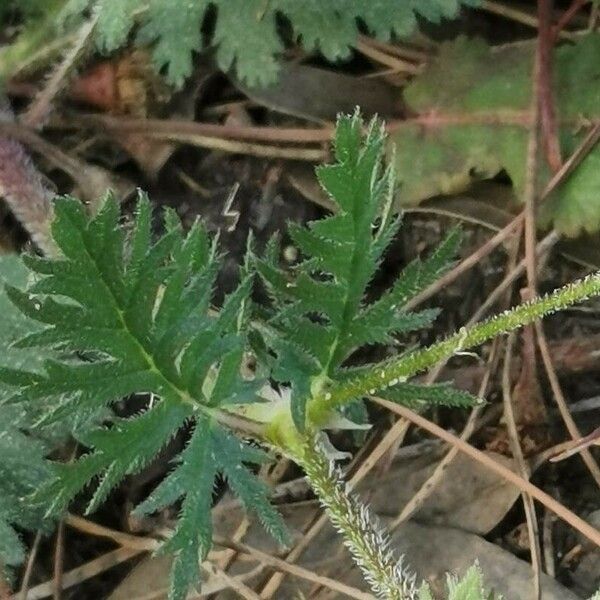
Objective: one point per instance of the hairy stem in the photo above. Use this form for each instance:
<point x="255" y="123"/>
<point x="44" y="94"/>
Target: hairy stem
<point x="368" y="544"/>
<point x="399" y="369"/>
<point x="23" y="189"/>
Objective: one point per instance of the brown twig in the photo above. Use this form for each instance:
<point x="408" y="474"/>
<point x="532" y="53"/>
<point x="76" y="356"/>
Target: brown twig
<point x="234" y="583"/>
<point x="292" y="569"/>
<point x="520" y="16"/>
<point x="513" y="437"/>
<point x="400" y="50"/>
<point x="542" y="248"/>
<point x="59" y="548"/>
<point x="556" y="507"/>
<point x="531" y="168"/>
<point x="467" y="263"/>
<point x="582" y="150"/>
<point x="396" y="64"/>
<point x="249" y="140"/>
<point x="567" y="16"/>
<point x="175" y="129"/>
<point x="561" y="402"/>
<point x="126" y="540"/>
<point x="82" y="573"/>
<point x="29" y="566"/>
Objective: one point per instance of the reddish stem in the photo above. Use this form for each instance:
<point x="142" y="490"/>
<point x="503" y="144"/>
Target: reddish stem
<point x="567" y="17"/>
<point x="549" y="127"/>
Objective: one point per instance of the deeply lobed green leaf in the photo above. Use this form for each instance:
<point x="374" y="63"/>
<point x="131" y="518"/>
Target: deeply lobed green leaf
<point x="320" y="316"/>
<point x="121" y="315"/>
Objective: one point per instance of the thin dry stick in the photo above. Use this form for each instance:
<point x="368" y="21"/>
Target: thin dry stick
<point x="543" y="91"/>
<point x="213" y="586"/>
<point x="29" y="567"/>
<point x="397" y="65"/>
<point x="231" y="582"/>
<point x="467" y="263"/>
<point x="584" y="148"/>
<point x="561" y="402"/>
<point x="83" y="572"/>
<point x="401" y="51"/>
<point x="187" y="131"/>
<point x="513" y="437"/>
<point x="59" y="561"/>
<point x="126" y="540"/>
<point x="301" y="140"/>
<point x="175" y="128"/>
<point x="432" y="481"/>
<point x="564" y="513"/>
<point x="248" y="148"/>
<point x="225" y="561"/>
<point x="531" y="171"/>
<point x="520" y="16"/>
<point x="567" y="16"/>
<point x="292" y="569"/>
<point x="542" y="248"/>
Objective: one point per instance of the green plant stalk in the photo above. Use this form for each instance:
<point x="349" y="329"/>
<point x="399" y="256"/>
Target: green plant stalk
<point x="368" y="545"/>
<point x="364" y="538"/>
<point x="397" y="370"/>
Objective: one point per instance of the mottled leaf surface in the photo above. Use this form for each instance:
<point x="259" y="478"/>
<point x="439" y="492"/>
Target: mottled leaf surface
<point x="472" y="105"/>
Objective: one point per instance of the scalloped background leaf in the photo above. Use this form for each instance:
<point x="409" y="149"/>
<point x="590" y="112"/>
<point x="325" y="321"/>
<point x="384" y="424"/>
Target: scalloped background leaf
<point x="471" y="105"/>
<point x="246" y="32"/>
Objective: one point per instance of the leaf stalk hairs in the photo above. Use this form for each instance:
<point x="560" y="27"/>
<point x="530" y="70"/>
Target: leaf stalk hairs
<point x="397" y="370"/>
<point x="363" y="536"/>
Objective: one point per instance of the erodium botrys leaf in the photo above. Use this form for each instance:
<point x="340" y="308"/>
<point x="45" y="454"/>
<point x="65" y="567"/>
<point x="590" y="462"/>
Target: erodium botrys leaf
<point x="131" y="315"/>
<point x="320" y="316"/>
